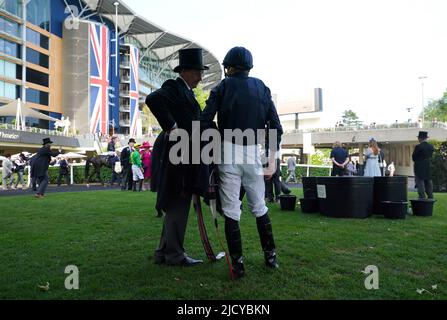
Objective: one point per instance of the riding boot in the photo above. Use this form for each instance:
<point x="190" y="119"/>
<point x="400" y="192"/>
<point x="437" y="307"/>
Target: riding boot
<point x="234" y="241"/>
<point x="134" y="186"/>
<point x="140" y="186"/>
<point x="267" y="242"/>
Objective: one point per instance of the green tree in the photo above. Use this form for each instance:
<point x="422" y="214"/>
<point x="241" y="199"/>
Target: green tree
<point x="350" y="119"/>
<point x="437" y="110"/>
<point x="201" y="96"/>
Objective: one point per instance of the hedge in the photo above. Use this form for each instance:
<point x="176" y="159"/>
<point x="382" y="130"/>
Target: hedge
<point x="78" y="173"/>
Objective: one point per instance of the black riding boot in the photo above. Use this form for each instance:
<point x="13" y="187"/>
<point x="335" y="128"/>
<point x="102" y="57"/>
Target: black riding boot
<point x="140" y="186"/>
<point x="234" y="241"/>
<point x="267" y="242"/>
<point x="134" y="186"/>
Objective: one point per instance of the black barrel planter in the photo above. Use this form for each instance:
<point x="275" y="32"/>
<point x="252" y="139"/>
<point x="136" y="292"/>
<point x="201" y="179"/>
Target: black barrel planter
<point x="310" y="187"/>
<point x="309" y="205"/>
<point x="287" y="202"/>
<point x="346" y="197"/>
<point x="423" y="207"/>
<point x="395" y="210"/>
<point x="394" y="189"/>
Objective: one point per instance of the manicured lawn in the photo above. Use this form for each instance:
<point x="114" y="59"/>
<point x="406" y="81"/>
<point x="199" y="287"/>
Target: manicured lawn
<point x="109" y="236"/>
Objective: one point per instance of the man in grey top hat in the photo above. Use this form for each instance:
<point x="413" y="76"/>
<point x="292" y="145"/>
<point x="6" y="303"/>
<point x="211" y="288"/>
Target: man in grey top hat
<point x="422" y="162"/>
<point x="175" y="106"/>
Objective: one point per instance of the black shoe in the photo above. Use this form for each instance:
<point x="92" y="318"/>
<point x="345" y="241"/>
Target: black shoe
<point x="188" y="262"/>
<point x="238" y="269"/>
<point x="159" y="214"/>
<point x="271" y="260"/>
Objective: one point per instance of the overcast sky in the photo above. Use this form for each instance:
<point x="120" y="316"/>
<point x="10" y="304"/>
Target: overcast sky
<point x="366" y="55"/>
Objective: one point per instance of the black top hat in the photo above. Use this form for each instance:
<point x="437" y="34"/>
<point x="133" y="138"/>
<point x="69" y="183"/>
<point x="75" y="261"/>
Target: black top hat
<point x="47" y="141"/>
<point x="423" y="135"/>
<point x="131" y="141"/>
<point x="191" y="59"/>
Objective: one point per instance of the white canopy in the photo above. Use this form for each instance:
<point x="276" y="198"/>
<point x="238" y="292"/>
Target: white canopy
<point x="72" y="155"/>
<point x="21" y="110"/>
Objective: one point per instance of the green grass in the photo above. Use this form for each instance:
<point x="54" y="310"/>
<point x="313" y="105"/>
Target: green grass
<point x="109" y="236"/>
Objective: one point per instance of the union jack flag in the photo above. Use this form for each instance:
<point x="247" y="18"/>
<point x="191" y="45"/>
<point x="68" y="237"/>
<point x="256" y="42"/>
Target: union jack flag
<point x="134" y="90"/>
<point x="99" y="79"/>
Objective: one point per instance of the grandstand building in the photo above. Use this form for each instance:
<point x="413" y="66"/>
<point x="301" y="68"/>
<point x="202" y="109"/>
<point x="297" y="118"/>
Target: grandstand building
<point x="91" y="61"/>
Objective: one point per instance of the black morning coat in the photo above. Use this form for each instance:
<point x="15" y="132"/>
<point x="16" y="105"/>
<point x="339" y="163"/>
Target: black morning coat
<point x="174" y="104"/>
<point x="41" y="161"/>
<point x="422" y="160"/>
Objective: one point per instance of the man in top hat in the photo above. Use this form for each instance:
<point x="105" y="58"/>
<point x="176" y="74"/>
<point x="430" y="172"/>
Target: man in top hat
<point x="175" y="106"/>
<point x="422" y="161"/>
<point x="40" y="164"/>
<point x="127" y="175"/>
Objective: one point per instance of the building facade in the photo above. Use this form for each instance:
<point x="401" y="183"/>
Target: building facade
<point x="91" y="61"/>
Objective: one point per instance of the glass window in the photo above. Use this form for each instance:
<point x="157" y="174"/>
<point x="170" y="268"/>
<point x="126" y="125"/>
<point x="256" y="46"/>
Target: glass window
<point x="38" y="13"/>
<point x="37" y="77"/>
<point x="36" y="96"/>
<point x="10" y="48"/>
<point x="37" y="38"/>
<point x="12" y="6"/>
<point x="8" y="90"/>
<point x="9" y="27"/>
<point x="8" y="69"/>
<point x="38" y="58"/>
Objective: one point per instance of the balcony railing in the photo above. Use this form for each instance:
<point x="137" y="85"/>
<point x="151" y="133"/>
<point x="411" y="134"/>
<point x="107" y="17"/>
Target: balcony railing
<point x="426" y="125"/>
<point x="12" y="127"/>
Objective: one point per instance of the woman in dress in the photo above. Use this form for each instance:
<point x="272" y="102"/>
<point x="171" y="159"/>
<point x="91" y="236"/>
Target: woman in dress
<point x="146" y="157"/>
<point x="372" y="167"/>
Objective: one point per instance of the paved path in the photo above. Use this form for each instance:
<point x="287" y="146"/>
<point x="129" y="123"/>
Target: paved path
<point x="56" y="189"/>
<point x="96" y="187"/>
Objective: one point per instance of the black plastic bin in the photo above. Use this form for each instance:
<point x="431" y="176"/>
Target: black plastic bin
<point x="309" y="205"/>
<point x="423" y="207"/>
<point x="346" y="197"/>
<point x="394" y="189"/>
<point x="310" y="187"/>
<point x="287" y="202"/>
<point x="395" y="210"/>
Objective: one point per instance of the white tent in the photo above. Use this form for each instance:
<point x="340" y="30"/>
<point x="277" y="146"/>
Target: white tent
<point x="72" y="155"/>
<point x="21" y="110"/>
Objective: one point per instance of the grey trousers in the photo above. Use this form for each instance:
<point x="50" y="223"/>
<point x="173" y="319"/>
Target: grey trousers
<point x="174" y="228"/>
<point x="424" y="187"/>
<point x="20" y="179"/>
<point x="43" y="183"/>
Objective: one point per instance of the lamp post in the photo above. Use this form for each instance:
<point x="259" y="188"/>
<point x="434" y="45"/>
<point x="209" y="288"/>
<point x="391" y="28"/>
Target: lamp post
<point x="423" y="99"/>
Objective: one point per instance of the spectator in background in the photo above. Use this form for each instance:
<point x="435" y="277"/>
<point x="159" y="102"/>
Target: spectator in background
<point x="372" y="168"/>
<point x="40" y="165"/>
<point x="350" y="168"/>
<point x="20" y="165"/>
<point x="137" y="169"/>
<point x="391" y="169"/>
<point x="7" y="166"/>
<point x="63" y="172"/>
<point x="340" y="159"/>
<point x="146" y="159"/>
<point x="291" y="168"/>
<point x="422" y="166"/>
<point x="127" y="175"/>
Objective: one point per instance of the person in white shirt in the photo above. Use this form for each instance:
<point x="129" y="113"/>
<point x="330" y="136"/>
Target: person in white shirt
<point x="291" y="167"/>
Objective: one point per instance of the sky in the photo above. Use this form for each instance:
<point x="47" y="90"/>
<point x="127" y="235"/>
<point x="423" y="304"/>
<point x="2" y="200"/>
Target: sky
<point x="366" y="55"/>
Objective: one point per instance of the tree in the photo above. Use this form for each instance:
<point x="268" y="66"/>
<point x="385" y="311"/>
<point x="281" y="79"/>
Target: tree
<point x="437" y="110"/>
<point x="201" y="96"/>
<point x="350" y="119"/>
